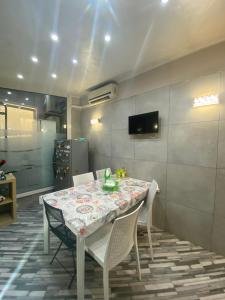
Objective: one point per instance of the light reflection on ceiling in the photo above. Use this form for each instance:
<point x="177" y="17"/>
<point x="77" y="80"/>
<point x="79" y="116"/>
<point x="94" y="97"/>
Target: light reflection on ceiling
<point x="86" y="42"/>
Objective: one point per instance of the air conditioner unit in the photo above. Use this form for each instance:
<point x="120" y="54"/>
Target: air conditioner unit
<point x="107" y="92"/>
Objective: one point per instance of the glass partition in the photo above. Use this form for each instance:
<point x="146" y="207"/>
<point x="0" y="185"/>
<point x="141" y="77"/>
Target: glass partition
<point x="29" y="125"/>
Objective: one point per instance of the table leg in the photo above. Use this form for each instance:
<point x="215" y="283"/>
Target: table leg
<point x="46" y="232"/>
<point x="80" y="267"/>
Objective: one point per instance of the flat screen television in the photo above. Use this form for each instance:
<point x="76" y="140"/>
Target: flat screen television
<point x="144" y="123"/>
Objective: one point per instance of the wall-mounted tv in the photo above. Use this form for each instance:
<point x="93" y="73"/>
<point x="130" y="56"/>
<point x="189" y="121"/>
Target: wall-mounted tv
<point x="144" y="123"/>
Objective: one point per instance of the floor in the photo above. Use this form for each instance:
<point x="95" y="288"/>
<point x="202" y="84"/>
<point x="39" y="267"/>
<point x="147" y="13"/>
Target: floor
<point x="180" y="270"/>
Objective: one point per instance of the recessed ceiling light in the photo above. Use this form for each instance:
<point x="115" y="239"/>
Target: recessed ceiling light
<point x="20" y="76"/>
<point x="107" y="38"/>
<point x="6" y="100"/>
<point x="26" y="99"/>
<point x="74" y="61"/>
<point x="54" y="37"/>
<point x="164" y="1"/>
<point x="34" y="59"/>
<point x="9" y="92"/>
<point x="54" y="75"/>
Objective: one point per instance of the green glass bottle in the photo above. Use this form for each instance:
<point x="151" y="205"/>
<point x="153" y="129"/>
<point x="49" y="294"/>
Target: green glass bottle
<point x="107" y="174"/>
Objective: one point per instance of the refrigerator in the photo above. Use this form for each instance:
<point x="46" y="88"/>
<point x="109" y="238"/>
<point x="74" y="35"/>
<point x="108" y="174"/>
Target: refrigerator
<point x="70" y="158"/>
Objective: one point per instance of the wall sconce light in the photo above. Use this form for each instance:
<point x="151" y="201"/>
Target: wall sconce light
<point x="95" y="121"/>
<point x="206" y="100"/>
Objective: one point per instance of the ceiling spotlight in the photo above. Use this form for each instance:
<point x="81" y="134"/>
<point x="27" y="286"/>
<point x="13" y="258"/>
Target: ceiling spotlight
<point x="34" y="59"/>
<point x="74" y="61"/>
<point x="20" y="76"/>
<point x="26" y="99"/>
<point x="107" y="38"/>
<point x="54" y="75"/>
<point x="54" y="37"/>
<point x="6" y="100"/>
<point x="164" y="1"/>
<point x="9" y="92"/>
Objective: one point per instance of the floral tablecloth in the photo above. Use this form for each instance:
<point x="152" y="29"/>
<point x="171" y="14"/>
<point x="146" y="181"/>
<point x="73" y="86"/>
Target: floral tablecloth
<point x="87" y="207"/>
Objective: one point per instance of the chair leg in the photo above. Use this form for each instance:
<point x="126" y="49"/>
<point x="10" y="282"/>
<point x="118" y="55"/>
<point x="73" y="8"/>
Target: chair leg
<point x="106" y="283"/>
<point x="150" y="242"/>
<point x="137" y="258"/>
<point x="57" y="251"/>
<point x="74" y="267"/>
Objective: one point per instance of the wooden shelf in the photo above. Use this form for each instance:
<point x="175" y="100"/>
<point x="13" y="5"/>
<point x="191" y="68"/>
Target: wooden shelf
<point x="9" y="178"/>
<point x="6" y="218"/>
<point x="7" y="200"/>
<point x="8" y="206"/>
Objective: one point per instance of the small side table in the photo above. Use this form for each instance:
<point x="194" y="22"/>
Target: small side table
<point x="8" y="206"/>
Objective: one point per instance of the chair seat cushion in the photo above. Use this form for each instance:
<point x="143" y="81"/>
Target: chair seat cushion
<point x="97" y="242"/>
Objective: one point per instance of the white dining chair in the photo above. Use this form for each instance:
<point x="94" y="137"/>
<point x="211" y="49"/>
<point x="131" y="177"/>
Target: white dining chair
<point x="83" y="178"/>
<point x="112" y="243"/>
<point x="101" y="173"/>
<point x="145" y="216"/>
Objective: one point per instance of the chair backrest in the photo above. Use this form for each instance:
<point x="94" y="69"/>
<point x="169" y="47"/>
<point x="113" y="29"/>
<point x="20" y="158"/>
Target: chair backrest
<point x="83" y="178"/>
<point x="56" y="223"/>
<point x="122" y="238"/>
<point x="54" y="215"/>
<point x="101" y="173"/>
<point x="154" y="188"/>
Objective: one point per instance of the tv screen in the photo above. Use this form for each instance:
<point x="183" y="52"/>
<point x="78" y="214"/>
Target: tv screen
<point x="144" y="123"/>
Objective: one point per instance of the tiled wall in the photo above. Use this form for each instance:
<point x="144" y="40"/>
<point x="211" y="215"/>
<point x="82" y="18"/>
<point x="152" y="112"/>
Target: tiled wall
<point x="187" y="159"/>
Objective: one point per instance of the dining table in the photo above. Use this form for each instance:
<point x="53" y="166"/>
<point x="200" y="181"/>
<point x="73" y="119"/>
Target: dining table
<point x="86" y="208"/>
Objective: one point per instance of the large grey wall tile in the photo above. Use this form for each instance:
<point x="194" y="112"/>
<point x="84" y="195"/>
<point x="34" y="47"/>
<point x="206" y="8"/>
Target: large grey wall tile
<point x="153" y="149"/>
<point x="220" y="193"/>
<point x="193" y="187"/>
<point x="101" y="111"/>
<point x="85" y="119"/>
<point x="100" y="162"/>
<point x="147" y="170"/>
<point x="128" y="164"/>
<point x="102" y="142"/>
<point x="154" y="100"/>
<point x="122" y="144"/>
<point x="221" y="145"/>
<point x="218" y="240"/>
<point x="182" y="97"/>
<point x="120" y="111"/>
<point x="194" y="144"/>
<point x="189" y="224"/>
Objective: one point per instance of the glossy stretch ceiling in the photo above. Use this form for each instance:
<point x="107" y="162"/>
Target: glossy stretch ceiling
<point x="143" y="34"/>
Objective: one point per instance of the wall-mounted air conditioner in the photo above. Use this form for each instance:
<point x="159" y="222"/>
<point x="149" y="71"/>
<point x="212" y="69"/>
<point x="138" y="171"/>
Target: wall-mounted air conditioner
<point x="107" y="92"/>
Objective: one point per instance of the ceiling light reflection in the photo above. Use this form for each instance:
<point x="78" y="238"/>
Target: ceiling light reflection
<point x="54" y="37"/>
<point x="34" y="59"/>
<point x="20" y="76"/>
<point x="107" y="38"/>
